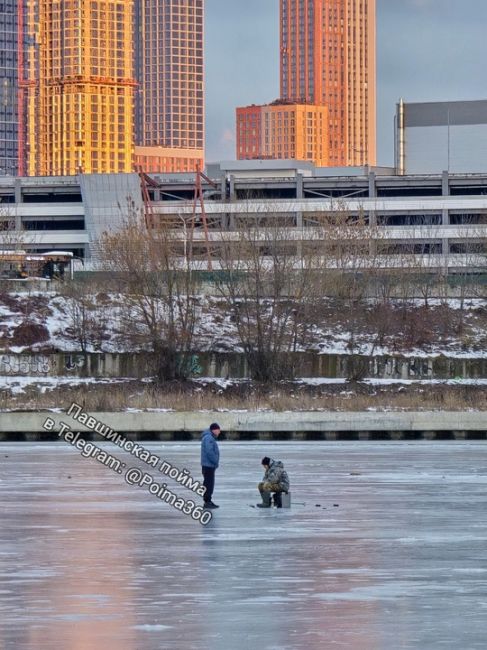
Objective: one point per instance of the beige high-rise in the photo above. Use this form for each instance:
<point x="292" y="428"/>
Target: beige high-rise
<point x="328" y="56"/>
<point x="169" y="54"/>
<point x="77" y="87"/>
<point x="280" y="131"/>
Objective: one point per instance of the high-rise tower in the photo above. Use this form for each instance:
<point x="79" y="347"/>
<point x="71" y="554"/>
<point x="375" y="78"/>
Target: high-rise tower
<point x="8" y="87"/>
<point x="77" y="87"/>
<point x="327" y="60"/>
<point x="328" y="56"/>
<point x="170" y="97"/>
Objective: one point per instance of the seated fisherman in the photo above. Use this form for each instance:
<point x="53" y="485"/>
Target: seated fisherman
<point x="275" y="480"/>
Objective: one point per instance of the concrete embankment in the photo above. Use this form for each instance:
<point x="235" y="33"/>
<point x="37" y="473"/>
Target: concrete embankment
<point x="252" y="425"/>
<point x="234" y="365"/>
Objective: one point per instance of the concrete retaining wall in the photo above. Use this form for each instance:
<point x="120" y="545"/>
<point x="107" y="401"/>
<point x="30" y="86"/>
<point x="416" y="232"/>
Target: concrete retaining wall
<point x="264" y="425"/>
<point x="234" y="365"/>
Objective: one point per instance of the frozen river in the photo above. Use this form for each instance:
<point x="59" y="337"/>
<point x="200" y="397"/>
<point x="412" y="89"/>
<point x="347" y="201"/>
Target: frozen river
<point x="88" y="562"/>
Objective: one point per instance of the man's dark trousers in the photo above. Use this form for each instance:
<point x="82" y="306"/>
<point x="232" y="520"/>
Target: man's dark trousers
<point x="208" y="482"/>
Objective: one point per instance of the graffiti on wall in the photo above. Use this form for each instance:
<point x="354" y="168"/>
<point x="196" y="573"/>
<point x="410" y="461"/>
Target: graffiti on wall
<point x="74" y="361"/>
<point x="24" y="364"/>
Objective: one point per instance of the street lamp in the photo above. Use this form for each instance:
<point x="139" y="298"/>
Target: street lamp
<point x="185" y="241"/>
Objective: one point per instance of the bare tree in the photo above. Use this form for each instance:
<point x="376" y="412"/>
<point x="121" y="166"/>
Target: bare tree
<point x="470" y="267"/>
<point x="14" y="241"/>
<point x="269" y="289"/>
<point x="158" y="289"/>
<point x="13" y="235"/>
<point x="351" y="251"/>
<point x="86" y="316"/>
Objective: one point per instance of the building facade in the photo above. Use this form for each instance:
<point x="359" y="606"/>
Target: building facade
<point x="421" y="221"/>
<point x="328" y="58"/>
<point x="8" y="87"/>
<point x="283" y="131"/>
<point x="169" y="112"/>
<point x="435" y="136"/>
<point x="77" y="87"/>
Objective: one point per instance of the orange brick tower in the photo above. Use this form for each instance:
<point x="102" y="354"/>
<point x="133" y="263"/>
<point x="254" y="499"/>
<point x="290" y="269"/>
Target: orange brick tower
<point x="328" y="58"/>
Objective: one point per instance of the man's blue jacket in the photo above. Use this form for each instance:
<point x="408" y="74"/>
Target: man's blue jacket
<point x="210" y="454"/>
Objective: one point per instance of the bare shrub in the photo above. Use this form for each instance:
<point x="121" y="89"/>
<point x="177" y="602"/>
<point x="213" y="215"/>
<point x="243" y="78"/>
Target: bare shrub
<point x="269" y="290"/>
<point x="160" y="307"/>
<point x="13" y="302"/>
<point x="85" y="315"/>
<point x="29" y="333"/>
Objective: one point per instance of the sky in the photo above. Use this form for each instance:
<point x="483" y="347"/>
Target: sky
<point x="427" y="50"/>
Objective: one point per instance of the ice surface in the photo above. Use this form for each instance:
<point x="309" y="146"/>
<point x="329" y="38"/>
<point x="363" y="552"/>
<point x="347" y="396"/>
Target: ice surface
<point x="89" y="562"/>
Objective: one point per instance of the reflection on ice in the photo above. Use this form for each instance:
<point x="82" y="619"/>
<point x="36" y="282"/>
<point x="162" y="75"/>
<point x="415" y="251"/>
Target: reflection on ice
<point x="90" y="563"/>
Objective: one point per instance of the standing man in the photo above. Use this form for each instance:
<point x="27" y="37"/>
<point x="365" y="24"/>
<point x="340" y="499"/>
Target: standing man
<point x="210" y="458"/>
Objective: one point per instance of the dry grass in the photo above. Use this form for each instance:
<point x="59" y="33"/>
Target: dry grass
<point x="250" y="396"/>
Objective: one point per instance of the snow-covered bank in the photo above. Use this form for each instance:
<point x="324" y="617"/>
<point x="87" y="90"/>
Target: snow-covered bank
<point x="48" y="321"/>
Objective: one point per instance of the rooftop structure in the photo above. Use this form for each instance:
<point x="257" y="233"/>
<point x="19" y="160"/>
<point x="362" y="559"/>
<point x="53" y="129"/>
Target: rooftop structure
<point x="432" y="136"/>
